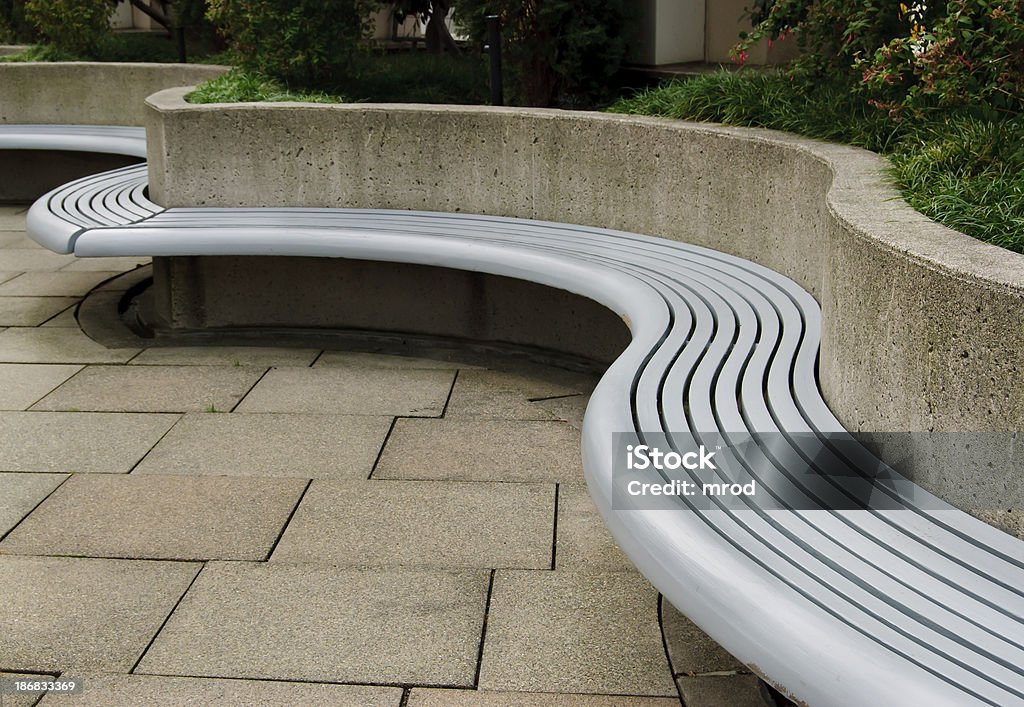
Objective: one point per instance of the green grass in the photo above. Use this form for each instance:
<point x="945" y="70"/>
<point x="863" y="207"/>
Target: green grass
<point x="128" y="46"/>
<point x="237" y="86"/>
<point x="402" y="77"/>
<point x="959" y="170"/>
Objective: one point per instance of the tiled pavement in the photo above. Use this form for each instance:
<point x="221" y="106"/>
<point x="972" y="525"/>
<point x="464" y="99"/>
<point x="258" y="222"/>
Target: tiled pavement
<point x="290" y="526"/>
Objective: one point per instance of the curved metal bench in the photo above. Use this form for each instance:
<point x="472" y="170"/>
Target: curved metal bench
<point x="896" y="597"/>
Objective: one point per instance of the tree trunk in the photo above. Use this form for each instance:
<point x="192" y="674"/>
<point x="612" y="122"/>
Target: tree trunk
<point x="437" y="36"/>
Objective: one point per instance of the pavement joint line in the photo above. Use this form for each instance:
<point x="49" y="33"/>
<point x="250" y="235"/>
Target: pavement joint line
<point x="483" y="632"/>
<point x="181" y="416"/>
<point x="41" y="502"/>
<point x="246" y="394"/>
<point x="405" y="697"/>
<point x="554" y="529"/>
<point x="317" y="358"/>
<point x="122" y="558"/>
<point x="166" y="619"/>
<point x="61" y="312"/>
<point x="288" y="520"/>
<point x="303" y="681"/>
<point x="555" y="397"/>
<point x="451" y="390"/>
<point x="383" y="444"/>
<point x="664" y="645"/>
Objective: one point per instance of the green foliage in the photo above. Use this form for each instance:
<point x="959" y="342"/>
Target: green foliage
<point x="79" y="27"/>
<point x="961" y="170"/>
<point x="970" y="58"/>
<point x="14" y="28"/>
<point x="238" y="86"/>
<point x="557" y="52"/>
<point x="418" y="77"/>
<point x="304" y="43"/>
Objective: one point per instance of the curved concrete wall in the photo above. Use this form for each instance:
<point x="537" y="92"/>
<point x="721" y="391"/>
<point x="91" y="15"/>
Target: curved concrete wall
<point x="923" y="326"/>
<point x="90" y="93"/>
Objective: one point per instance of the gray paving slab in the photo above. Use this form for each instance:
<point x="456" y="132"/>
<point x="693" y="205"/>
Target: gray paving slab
<point x="502" y="396"/>
<point x="105" y="264"/>
<point x="10" y="238"/>
<point x="570" y="409"/>
<point x="439" y="697"/>
<point x="690" y="650"/>
<point x="12" y="218"/>
<point x="358" y="359"/>
<point x="325" y="624"/>
<point x="54" y="284"/>
<point x="5" y="276"/>
<point x="32" y="311"/>
<point x="487" y="450"/>
<point x="64" y="319"/>
<point x="31" y="259"/>
<point x="422" y="524"/>
<point x="209" y="389"/>
<point x="56" y="345"/>
<point x="584" y="542"/>
<point x="351" y="391"/>
<point x="225" y="356"/>
<point x="577" y="633"/>
<point x="77" y="442"/>
<point x="22" y="384"/>
<point x="20" y="493"/>
<point x="724" y="691"/>
<point x="71" y="613"/>
<point x="239" y="444"/>
<point x="108" y="690"/>
<point x="158" y="517"/>
<point x="23" y="699"/>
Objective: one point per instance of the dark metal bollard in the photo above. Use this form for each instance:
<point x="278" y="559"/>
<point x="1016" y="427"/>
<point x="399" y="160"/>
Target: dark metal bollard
<point x="493" y="49"/>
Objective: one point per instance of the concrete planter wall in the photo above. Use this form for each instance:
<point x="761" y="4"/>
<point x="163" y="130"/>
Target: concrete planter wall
<point x="90" y="93"/>
<point x="923" y="326"/>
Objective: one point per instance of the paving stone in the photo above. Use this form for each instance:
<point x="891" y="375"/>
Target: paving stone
<point x="569" y="632"/>
<point x="225" y="356"/>
<point x="32" y="311"/>
<point x="5" y="276"/>
<point x="500" y="395"/>
<point x="489" y="450"/>
<point x="22" y="493"/>
<point x="351" y="391"/>
<point x="357" y="359"/>
<point x="570" y="409"/>
<point x="77" y="442"/>
<point x="238" y="444"/>
<point x="153" y="389"/>
<point x="106" y="690"/>
<point x="158" y="517"/>
<point x="10" y="238"/>
<point x="29" y="259"/>
<point x="583" y="540"/>
<point x="325" y="624"/>
<point x="64" y="319"/>
<point x="690" y="650"/>
<point x="105" y="264"/>
<point x="54" y="284"/>
<point x="22" y="384"/>
<point x="724" y="691"/>
<point x="12" y="218"/>
<point x="23" y="699"/>
<point x="436" y="697"/>
<point x="72" y="613"/>
<point x="56" y="345"/>
<point x="422" y="524"/>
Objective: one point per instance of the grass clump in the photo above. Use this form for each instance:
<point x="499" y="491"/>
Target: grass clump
<point x="237" y="86"/>
<point x="961" y="170"/>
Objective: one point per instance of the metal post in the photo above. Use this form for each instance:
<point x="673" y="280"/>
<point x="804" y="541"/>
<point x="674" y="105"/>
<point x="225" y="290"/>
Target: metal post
<point x="493" y="49"/>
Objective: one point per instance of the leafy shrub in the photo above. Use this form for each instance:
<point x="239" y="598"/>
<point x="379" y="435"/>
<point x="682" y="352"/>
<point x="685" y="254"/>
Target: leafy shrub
<point x="304" y="43"/>
<point x="970" y="58"/>
<point x="79" y="27"/>
<point x="557" y="52"/>
<point x="13" y="25"/>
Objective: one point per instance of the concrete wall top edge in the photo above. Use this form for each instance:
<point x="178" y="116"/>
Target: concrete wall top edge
<point x="861" y="194"/>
